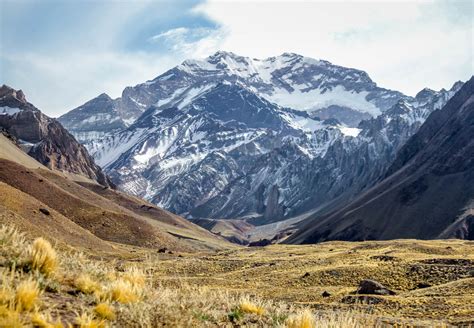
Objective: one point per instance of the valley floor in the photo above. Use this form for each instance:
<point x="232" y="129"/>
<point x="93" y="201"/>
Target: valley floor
<point x="279" y="285"/>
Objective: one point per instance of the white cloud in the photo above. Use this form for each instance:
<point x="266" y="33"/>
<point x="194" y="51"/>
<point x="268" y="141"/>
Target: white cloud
<point x="191" y="42"/>
<point x="402" y="45"/>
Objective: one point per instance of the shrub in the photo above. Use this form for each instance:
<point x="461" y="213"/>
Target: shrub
<point x="122" y="291"/>
<point x="249" y="307"/>
<point x="45" y="321"/>
<point x="105" y="311"/>
<point x="85" y="284"/>
<point x="43" y="257"/>
<point x="12" y="245"/>
<point x="303" y="319"/>
<point x="10" y="318"/>
<point x="135" y="277"/>
<point x="87" y="321"/>
<point x="26" y="295"/>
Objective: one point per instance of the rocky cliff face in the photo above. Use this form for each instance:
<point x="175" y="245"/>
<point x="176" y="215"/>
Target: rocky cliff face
<point x="235" y="137"/>
<point x="44" y="138"/>
<point x="427" y="191"/>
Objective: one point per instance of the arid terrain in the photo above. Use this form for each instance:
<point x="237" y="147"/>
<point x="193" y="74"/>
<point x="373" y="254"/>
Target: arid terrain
<point x="433" y="283"/>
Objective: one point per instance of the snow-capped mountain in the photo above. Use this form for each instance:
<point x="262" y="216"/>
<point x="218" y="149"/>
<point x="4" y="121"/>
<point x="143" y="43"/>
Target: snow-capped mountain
<point x="235" y="137"/>
<point x="315" y="86"/>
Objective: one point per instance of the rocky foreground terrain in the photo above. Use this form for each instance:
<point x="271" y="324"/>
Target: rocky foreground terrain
<point x="403" y="283"/>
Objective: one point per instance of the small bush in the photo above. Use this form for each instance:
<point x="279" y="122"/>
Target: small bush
<point x="85" y="284"/>
<point x="303" y="319"/>
<point x="135" y="277"/>
<point x="122" y="291"/>
<point x="87" y="321"/>
<point x="26" y="296"/>
<point x="10" y="318"/>
<point x="104" y="311"/>
<point x="249" y="307"/>
<point x="44" y="321"/>
<point x="12" y="246"/>
<point x="43" y="257"/>
<point x="235" y="315"/>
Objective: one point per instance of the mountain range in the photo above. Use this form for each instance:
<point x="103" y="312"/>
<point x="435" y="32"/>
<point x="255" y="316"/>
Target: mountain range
<point x="427" y="192"/>
<point x="231" y="137"/>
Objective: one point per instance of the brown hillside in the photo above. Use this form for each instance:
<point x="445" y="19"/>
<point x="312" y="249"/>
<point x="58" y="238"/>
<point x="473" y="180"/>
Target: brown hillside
<point x="103" y="217"/>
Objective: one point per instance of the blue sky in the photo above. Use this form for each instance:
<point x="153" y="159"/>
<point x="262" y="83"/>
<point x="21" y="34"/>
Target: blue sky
<point x="63" y="53"/>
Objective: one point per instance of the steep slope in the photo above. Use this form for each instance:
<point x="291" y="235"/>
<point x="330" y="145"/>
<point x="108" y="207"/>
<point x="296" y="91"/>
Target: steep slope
<point x="427" y="193"/>
<point x="49" y="203"/>
<point x="94" y="120"/>
<point x="44" y="138"/>
<point x="293" y="178"/>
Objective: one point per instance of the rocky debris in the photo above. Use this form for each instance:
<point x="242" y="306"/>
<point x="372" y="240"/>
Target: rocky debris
<point x="162" y="250"/>
<point x="326" y="294"/>
<point x="44" y="211"/>
<point x="372" y="287"/>
<point x="260" y="243"/>
<point x="462" y="262"/>
<point x="362" y="299"/>
<point x="423" y="285"/>
<point x="385" y="258"/>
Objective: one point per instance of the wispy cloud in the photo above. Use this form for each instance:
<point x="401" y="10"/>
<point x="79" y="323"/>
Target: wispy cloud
<point x="196" y="42"/>
<point x="90" y="47"/>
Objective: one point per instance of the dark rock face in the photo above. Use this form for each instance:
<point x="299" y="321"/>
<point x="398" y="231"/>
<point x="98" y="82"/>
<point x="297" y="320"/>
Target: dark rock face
<point x="372" y="287"/>
<point x="427" y="192"/>
<point x="343" y="114"/>
<point x="44" y="138"/>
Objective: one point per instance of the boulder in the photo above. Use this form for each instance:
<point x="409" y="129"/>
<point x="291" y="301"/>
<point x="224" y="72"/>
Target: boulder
<point x="372" y="287"/>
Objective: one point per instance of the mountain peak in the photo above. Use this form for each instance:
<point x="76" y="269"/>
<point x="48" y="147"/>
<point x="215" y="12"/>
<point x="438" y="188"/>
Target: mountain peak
<point x="103" y="96"/>
<point x="425" y="93"/>
<point x="16" y="95"/>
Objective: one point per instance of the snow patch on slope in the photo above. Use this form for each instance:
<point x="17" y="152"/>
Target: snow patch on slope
<point x="9" y="110"/>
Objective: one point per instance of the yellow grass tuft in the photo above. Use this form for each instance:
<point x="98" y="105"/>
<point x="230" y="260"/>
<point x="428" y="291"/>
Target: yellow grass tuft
<point x="248" y="306"/>
<point x="122" y="291"/>
<point x="26" y="296"/>
<point x="135" y="277"/>
<point x="87" y="321"/>
<point x="303" y="319"/>
<point x="44" y="321"/>
<point x="6" y="295"/>
<point x="12" y="242"/>
<point x="10" y="318"/>
<point x="85" y="284"/>
<point x="43" y="257"/>
<point x="105" y="311"/>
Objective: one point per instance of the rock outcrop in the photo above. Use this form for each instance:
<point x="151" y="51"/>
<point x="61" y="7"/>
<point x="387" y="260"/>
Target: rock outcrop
<point x="44" y="138"/>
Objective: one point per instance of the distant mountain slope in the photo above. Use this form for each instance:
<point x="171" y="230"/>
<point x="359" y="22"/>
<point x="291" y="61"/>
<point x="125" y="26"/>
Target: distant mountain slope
<point x="428" y="191"/>
<point x="44" y="138"/>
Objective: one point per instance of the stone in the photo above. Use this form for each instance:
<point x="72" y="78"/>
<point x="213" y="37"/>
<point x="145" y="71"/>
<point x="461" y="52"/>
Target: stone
<point x="372" y="287"/>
